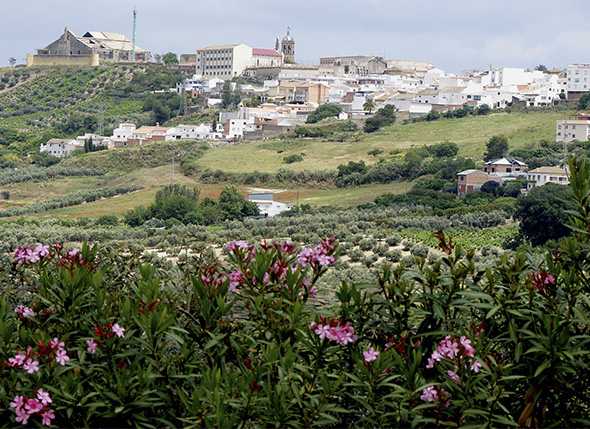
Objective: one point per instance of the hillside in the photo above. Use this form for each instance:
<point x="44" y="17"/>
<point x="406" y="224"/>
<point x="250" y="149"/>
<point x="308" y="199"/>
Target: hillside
<point x="38" y="104"/>
<point x="470" y="134"/>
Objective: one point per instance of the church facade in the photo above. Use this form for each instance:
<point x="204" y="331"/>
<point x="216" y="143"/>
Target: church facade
<point x="91" y="49"/>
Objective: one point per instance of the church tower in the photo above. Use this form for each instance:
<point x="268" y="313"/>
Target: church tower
<point x="288" y="47"/>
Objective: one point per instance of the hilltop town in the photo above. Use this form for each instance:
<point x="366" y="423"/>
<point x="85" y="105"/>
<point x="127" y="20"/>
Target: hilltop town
<point x="230" y="236"/>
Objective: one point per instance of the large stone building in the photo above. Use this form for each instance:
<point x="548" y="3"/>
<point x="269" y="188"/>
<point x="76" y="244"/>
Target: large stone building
<point x="90" y="49"/>
<point x="353" y="65"/>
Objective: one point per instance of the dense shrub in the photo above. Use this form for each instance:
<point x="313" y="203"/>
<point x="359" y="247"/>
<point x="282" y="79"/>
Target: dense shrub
<point x="384" y="116"/>
<point x="543" y="213"/>
<point x="324" y="111"/>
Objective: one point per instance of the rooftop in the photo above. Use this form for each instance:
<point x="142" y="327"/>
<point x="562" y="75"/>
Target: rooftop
<point x="559" y="171"/>
<point x="264" y="52"/>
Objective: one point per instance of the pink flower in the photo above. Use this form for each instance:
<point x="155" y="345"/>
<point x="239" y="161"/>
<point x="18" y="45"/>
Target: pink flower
<point x="237" y="245"/>
<point x="454" y="377"/>
<point x="475" y="366"/>
<point x="91" y="346"/>
<point x="47" y="416"/>
<point x="370" y="355"/>
<point x="321" y="331"/>
<point x="33" y="406"/>
<point x="17" y="361"/>
<point x="42" y="250"/>
<point x="305" y="257"/>
<point x="56" y="344"/>
<point x="468" y="349"/>
<point x="44" y="397"/>
<point x="325" y="260"/>
<point x="24" y="312"/>
<point x="17" y="402"/>
<point x="62" y="357"/>
<point x="236" y="279"/>
<point x="31" y="366"/>
<point x="22" y="416"/>
<point x="430" y="394"/>
<point x="118" y="330"/>
<point x="73" y="253"/>
<point x="542" y="280"/>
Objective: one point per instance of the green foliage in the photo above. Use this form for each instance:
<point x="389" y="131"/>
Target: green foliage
<point x="290" y="159"/>
<point x="384" y="116"/>
<point x="175" y="202"/>
<point x="496" y="147"/>
<point x="170" y="58"/>
<point x="543" y="213"/>
<point x="584" y="102"/>
<point x="181" y="203"/>
<point x="324" y="111"/>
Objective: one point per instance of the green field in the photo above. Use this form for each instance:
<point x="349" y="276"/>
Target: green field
<point x="470" y="133"/>
<point x="152" y="179"/>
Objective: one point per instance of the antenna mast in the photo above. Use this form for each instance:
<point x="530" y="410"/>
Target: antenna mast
<point x="134" y="34"/>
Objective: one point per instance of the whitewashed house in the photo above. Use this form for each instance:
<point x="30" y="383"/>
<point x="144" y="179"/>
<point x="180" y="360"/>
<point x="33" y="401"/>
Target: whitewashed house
<point x="266" y="204"/>
<point x="60" y="148"/>
<point x="190" y="132"/>
<point x="238" y="127"/>
<point x="543" y="175"/>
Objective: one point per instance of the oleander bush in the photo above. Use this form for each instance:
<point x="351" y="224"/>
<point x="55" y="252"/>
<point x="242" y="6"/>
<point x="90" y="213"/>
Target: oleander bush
<point x="96" y="338"/>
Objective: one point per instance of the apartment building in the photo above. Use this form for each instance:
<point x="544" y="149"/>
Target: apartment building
<point x="578" y="78"/>
<point x="223" y="61"/>
<point x="572" y="130"/>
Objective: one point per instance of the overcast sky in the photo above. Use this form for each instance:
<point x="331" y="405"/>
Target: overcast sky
<point x="453" y="34"/>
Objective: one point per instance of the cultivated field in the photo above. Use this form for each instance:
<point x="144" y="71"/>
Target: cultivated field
<point x="470" y="133"/>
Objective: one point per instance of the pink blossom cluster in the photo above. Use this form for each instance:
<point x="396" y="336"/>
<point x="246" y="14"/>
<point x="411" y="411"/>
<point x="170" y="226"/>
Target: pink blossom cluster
<point x="370" y="355"/>
<point x="28" y="362"/>
<point x="334" y="330"/>
<point x="542" y="281"/>
<point x="319" y="256"/>
<point x="242" y="249"/>
<point x="236" y="279"/>
<point x="31" y="254"/>
<point x="23" y="312"/>
<point x="25" y="408"/>
<point x="454" y="349"/>
<point x="61" y="355"/>
<point x="434" y="394"/>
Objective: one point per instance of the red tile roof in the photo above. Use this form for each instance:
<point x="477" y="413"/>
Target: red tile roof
<point x="263" y="52"/>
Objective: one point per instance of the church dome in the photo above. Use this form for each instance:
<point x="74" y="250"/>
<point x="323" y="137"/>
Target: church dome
<point x="288" y="37"/>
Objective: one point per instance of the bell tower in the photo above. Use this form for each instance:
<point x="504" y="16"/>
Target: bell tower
<point x="288" y="47"/>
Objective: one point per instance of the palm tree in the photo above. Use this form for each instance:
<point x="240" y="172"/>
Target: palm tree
<point x="369" y="106"/>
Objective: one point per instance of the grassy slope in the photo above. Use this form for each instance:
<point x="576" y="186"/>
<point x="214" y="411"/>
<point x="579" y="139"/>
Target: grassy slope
<point x="152" y="179"/>
<point x="470" y="134"/>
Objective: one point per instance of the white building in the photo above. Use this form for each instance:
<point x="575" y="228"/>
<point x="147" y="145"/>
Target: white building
<point x="60" y="148"/>
<point x="266" y="204"/>
<point x="123" y="132"/>
<point x="223" y="61"/>
<point x="543" y="175"/>
<point x="578" y="78"/>
<point x="238" y="127"/>
<point x="572" y="130"/>
<point x="191" y="132"/>
<point x="509" y="76"/>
